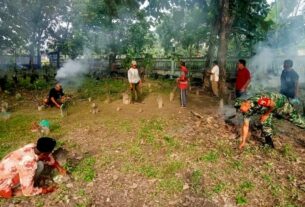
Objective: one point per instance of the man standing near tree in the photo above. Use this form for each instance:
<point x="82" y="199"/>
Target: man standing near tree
<point x="243" y="79"/>
<point x="214" y="78"/>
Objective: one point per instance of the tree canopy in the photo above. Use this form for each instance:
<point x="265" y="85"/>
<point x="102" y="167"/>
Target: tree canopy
<point x="138" y="27"/>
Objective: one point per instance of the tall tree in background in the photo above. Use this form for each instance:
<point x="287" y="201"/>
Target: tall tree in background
<point x="31" y="22"/>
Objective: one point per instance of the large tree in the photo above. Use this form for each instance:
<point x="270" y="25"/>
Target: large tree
<point x="30" y="22"/>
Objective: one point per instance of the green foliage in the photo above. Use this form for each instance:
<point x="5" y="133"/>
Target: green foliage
<point x="211" y="156"/>
<point x="85" y="169"/>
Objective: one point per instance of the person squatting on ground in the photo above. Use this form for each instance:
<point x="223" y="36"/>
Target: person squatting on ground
<point x="243" y="79"/>
<point x="56" y="96"/>
<point x="134" y="81"/>
<point x="182" y="82"/>
<point x="21" y="168"/>
<point x="289" y="80"/>
<point x="214" y="78"/>
<point x="267" y="105"/>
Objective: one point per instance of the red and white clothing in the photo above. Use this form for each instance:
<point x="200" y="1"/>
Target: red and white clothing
<point x="19" y="167"/>
<point x="182" y="80"/>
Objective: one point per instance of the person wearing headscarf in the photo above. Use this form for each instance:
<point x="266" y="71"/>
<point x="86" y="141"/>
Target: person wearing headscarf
<point x="183" y="84"/>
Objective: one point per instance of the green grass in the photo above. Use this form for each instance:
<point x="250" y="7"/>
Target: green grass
<point x="85" y="169"/>
<point x="150" y="130"/>
<point x="149" y="171"/>
<point x="171" y="142"/>
<point x="211" y="156"/>
<point x="169" y="169"/>
<point x="288" y="152"/>
<point x="219" y="187"/>
<point x="171" y="185"/>
<point x="196" y="181"/>
<point x="241" y="200"/>
<point x="102" y="88"/>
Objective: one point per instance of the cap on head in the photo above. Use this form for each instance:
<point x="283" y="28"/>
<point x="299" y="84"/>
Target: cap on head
<point x="133" y="62"/>
<point x="45" y="144"/>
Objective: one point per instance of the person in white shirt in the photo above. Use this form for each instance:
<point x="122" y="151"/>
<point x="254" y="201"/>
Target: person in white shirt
<point x="134" y="81"/>
<point x="214" y="78"/>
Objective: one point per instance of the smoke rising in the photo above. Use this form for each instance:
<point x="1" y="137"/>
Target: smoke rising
<point x="284" y="42"/>
<point x="72" y="73"/>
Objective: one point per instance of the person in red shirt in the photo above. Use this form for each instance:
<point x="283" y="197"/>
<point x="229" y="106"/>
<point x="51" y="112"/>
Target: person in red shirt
<point x="183" y="84"/>
<point x="243" y="78"/>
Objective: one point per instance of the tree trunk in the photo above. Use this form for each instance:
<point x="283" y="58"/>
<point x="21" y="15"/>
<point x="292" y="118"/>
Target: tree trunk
<point x="226" y="21"/>
<point x="38" y="56"/>
<point x="32" y="54"/>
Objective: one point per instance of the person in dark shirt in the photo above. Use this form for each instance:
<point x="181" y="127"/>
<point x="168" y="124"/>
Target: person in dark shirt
<point x="289" y="80"/>
<point x="56" y="96"/>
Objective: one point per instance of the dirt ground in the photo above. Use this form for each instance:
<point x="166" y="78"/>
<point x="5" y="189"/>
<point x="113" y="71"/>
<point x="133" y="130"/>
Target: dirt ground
<point x="140" y="155"/>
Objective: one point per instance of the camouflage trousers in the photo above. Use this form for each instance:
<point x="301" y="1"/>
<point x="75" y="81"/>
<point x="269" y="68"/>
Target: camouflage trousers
<point x="286" y="112"/>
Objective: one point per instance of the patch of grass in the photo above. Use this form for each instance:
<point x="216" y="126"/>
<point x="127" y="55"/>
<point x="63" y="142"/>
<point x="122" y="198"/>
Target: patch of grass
<point x="237" y="165"/>
<point x="219" y="187"/>
<point x="150" y="130"/>
<point x="125" y="126"/>
<point x="211" y="156"/>
<point x="171" y="185"/>
<point x="81" y="192"/>
<point x="196" y="181"/>
<point x="246" y="186"/>
<point x="291" y="178"/>
<point x="171" y="168"/>
<point x="136" y="152"/>
<point x="272" y="186"/>
<point x="241" y="200"/>
<point x="104" y="160"/>
<point x="39" y="203"/>
<point x="4" y="150"/>
<point x="85" y="169"/>
<point x="289" y="153"/>
<point x="128" y="167"/>
<point x="149" y="171"/>
<point x="224" y="149"/>
<point x="171" y="142"/>
<point x="102" y="88"/>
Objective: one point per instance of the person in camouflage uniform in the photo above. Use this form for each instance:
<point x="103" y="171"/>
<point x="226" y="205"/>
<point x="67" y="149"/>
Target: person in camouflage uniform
<point x="267" y="105"/>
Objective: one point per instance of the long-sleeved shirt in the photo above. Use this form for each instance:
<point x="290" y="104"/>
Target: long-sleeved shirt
<point x="19" y="167"/>
<point x="133" y="75"/>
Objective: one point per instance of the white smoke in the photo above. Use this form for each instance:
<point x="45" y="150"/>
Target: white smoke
<point x="72" y="73"/>
<point x="285" y="42"/>
<point x="264" y="73"/>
